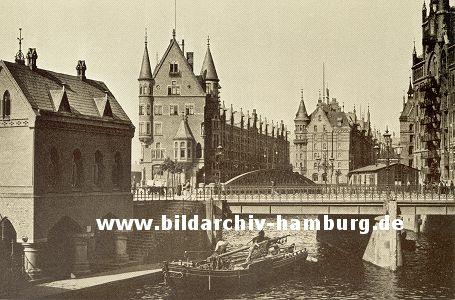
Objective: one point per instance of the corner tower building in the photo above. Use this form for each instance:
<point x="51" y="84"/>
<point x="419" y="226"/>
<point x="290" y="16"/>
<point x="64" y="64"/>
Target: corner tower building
<point x="187" y="134"/>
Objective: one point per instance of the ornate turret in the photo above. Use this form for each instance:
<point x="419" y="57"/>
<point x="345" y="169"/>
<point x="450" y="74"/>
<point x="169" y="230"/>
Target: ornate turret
<point x="146" y="83"/>
<point x="209" y="75"/>
<point x="302" y="114"/>
<point x="424" y="11"/>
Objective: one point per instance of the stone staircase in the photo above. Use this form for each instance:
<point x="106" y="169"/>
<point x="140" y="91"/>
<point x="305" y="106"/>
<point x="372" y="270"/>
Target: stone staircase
<point x="152" y="246"/>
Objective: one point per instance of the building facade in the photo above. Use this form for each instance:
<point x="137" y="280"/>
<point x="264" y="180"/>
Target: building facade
<point x="182" y="120"/>
<point x="65" y="161"/>
<point x="383" y="175"/>
<point x="329" y="142"/>
<point x="426" y="122"/>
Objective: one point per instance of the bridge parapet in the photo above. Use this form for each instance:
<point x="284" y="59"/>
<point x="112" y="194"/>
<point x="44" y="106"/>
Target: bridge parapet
<point x="349" y="193"/>
<point x="313" y="193"/>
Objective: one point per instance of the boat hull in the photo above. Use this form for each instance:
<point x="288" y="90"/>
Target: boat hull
<point x="259" y="271"/>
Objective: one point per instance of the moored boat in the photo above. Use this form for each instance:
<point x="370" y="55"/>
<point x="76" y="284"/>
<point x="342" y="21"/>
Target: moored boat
<point x="223" y="273"/>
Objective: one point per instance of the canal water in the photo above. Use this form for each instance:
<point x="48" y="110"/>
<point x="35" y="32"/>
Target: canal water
<point x="429" y="273"/>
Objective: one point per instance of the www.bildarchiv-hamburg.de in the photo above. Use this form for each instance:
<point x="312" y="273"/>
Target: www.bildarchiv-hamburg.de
<point x="182" y="222"/>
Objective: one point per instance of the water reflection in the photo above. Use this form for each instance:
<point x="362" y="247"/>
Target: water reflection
<point x="428" y="274"/>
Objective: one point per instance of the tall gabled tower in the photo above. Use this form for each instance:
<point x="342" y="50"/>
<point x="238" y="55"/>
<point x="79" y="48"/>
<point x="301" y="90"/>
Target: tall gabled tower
<point x="300" y="142"/>
<point x="146" y="83"/>
<point x="212" y="117"/>
<point x="209" y="75"/>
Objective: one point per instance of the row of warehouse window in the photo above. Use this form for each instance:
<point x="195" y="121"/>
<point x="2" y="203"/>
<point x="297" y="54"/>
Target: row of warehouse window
<point x="173" y="89"/>
<point x="146" y="127"/>
<point x="99" y="170"/>
<point x="158" y="110"/>
<point x="182" y="150"/>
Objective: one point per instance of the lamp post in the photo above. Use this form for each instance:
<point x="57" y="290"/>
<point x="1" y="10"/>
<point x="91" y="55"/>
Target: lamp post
<point x="326" y="165"/>
<point x="377" y="150"/>
<point x="398" y="149"/>
<point x="218" y="158"/>
<point x="387" y="140"/>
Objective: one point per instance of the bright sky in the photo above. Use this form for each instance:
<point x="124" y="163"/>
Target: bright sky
<point x="264" y="51"/>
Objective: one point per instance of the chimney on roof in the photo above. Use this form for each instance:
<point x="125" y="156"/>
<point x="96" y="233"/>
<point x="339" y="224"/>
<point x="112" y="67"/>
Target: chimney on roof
<point x="190" y="58"/>
<point x="32" y="56"/>
<point x="81" y="68"/>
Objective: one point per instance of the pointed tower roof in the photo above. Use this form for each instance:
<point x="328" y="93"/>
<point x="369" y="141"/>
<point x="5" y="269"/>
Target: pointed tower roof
<point x="302" y="114"/>
<point x="208" y="71"/>
<point x="184" y="131"/>
<point x="410" y="89"/>
<point x="146" y="70"/>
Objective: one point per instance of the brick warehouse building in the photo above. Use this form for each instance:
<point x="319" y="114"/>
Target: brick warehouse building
<point x="65" y="161"/>
<point x="427" y="120"/>
<point x="329" y="142"/>
<point x="181" y="118"/>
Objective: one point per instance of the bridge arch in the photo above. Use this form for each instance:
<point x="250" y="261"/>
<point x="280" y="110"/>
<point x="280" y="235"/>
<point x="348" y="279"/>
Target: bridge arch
<point x="268" y="177"/>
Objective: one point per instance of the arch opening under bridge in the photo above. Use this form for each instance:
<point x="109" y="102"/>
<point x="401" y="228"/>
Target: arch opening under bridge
<point x="268" y="177"/>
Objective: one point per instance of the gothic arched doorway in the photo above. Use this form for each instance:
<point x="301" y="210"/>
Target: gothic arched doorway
<point x="10" y="254"/>
<point x="60" y="247"/>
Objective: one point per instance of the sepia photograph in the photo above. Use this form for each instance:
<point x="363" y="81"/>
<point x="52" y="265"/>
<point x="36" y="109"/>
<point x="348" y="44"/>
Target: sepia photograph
<point x="176" y="149"/>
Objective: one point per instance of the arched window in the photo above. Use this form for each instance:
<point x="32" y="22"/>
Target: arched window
<point x="98" y="169"/>
<point x="53" y="167"/>
<point x="315" y="176"/>
<point x="411" y="127"/>
<point x="182" y="150"/>
<point x="6" y="105"/>
<point x="76" y="174"/>
<point x="117" y="170"/>
<point x="315" y="128"/>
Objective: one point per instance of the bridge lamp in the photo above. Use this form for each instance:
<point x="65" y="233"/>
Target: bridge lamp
<point x="376" y="149"/>
<point x="219" y="154"/>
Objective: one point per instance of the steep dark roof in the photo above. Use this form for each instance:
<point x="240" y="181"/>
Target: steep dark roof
<point x="208" y="70"/>
<point x="301" y="114"/>
<point x="333" y="117"/>
<point x="146" y="70"/>
<point x="407" y="109"/>
<point x="39" y="87"/>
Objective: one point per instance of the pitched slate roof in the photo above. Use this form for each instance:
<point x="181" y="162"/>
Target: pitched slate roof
<point x="40" y="86"/>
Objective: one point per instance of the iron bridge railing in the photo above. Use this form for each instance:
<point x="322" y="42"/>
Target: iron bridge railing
<point x="316" y="193"/>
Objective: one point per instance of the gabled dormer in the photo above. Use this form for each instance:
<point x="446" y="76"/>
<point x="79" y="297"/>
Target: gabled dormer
<point x="60" y="100"/>
<point x="104" y="107"/>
